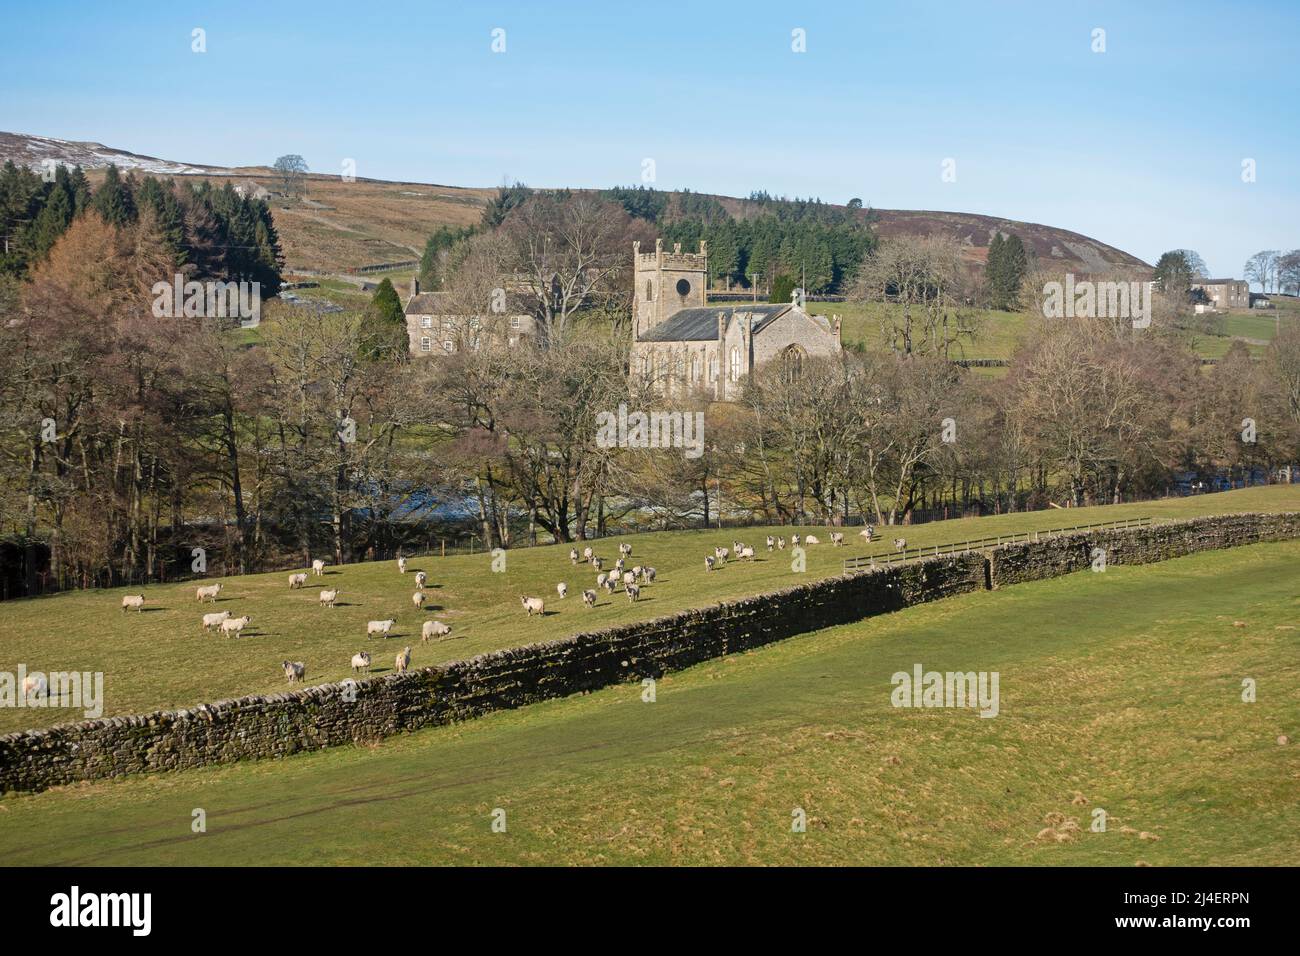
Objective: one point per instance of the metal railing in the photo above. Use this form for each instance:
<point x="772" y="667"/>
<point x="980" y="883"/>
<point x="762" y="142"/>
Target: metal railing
<point x="979" y="544"/>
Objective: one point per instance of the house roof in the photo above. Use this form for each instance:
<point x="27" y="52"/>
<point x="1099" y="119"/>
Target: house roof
<point x="426" y="303"/>
<point x="1216" y="281"/>
<point x="701" y="324"/>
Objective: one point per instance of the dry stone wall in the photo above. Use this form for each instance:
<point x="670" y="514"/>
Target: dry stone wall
<point x="327" y="715"/>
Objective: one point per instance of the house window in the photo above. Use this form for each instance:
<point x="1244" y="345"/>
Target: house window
<point x="426" y="321"/>
<point x="426" y="344"/>
<point x="735" y="363"/>
<point x="515" y="322"/>
<point x="448" y="345"/>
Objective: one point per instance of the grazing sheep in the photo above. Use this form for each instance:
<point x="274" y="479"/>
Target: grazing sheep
<point x="638" y="570"/>
<point x="533" y="605"/>
<point x="420" y="578"/>
<point x="34" y="685"/>
<point x="296" y="671"/>
<point x="780" y="544"/>
<point x="633" y="592"/>
<point x="573" y="556"/>
<point x="837" y="539"/>
<point x="380" y="627"/>
<point x="596" y="563"/>
<point x="771" y="542"/>
<point x="361" y="662"/>
<point x="401" y="564"/>
<point x="214" y="620"/>
<point x="625" y="550"/>
<point x="133" y="600"/>
<point x="297" y="580"/>
<point x="647" y="575"/>
<point x="900" y="544"/>
<point x="746" y="552"/>
<point x="327" y="598"/>
<point x="587" y="553"/>
<point x="208" y="592"/>
<point x="233" y="625"/>
<point x="418" y="599"/>
<point x="589" y="598"/>
<point x="629" y="579"/>
<point x="562" y="590"/>
<point x="811" y="539"/>
<point x="709" y="563"/>
<point x="318" y="568"/>
<point x="403" y="660"/>
<point x="434" y="629"/>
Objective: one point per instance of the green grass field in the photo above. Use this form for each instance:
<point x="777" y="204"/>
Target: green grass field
<point x="162" y="659"/>
<point x="1119" y="691"/>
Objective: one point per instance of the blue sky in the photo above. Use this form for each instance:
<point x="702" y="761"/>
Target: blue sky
<point x="1140" y="146"/>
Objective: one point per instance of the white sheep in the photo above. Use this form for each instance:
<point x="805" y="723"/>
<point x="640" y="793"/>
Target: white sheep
<point x="780" y="544"/>
<point x="380" y="627"/>
<point x="601" y="579"/>
<point x="837" y="539"/>
<point x="34" y="685"/>
<point x="533" y="605"/>
<point x="611" y="584"/>
<point x="562" y="590"/>
<point x="587" y="553"/>
<point x="401" y="564"/>
<point x="573" y="556"/>
<point x="403" y="660"/>
<point x="233" y="625"/>
<point x="868" y="533"/>
<point x="633" y="592"/>
<point x="133" y="600"/>
<point x="709" y="562"/>
<point x="214" y="620"/>
<point x="619" y="566"/>
<point x="648" y="575"/>
<point x="318" y="568"/>
<point x="420" y="578"/>
<point x="629" y="578"/>
<point x="208" y="592"/>
<point x="328" y="597"/>
<point x="589" y="598"/>
<point x="771" y="542"/>
<point x="361" y="662"/>
<point x="596" y="563"/>
<point x="434" y="629"/>
<point x="794" y="540"/>
<point x="811" y="539"/>
<point x="625" y="550"/>
<point x="900" y="544"/>
<point x="296" y="671"/>
<point x="297" y="580"/>
<point x="747" y="552"/>
<point x="418" y="599"/>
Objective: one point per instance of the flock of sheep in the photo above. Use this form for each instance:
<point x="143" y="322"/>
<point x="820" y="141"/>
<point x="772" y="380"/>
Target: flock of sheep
<point x="632" y="579"/>
<point x="296" y="671"/>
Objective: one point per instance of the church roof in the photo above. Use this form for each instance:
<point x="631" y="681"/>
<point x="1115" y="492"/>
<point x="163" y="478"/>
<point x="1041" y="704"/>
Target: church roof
<point x="701" y="324"/>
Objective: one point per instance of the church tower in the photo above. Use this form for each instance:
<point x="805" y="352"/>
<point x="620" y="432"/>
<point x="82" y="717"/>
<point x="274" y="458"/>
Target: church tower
<point x="666" y="282"/>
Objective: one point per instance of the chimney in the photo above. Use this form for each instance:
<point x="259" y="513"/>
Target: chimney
<point x="415" y="286"/>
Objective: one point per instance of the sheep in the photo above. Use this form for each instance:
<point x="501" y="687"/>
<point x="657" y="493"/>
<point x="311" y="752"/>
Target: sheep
<point x="747" y="552"/>
<point x="133" y="600"/>
<point x="418" y="599"/>
<point x="318" y="568"/>
<point x="596" y="563"/>
<point x="737" y="546"/>
<point x="601" y="579"/>
<point x="380" y="627"/>
<point x="837" y="539"/>
<point x="210" y="591"/>
<point x="214" y="620"/>
<point x="533" y="605"/>
<point x="297" y="580"/>
<point x="403" y="660"/>
<point x="434" y="629"/>
<point x="647" y="575"/>
<point x="34" y="685"/>
<point x="625" y="550"/>
<point x="587" y="553"/>
<point x="629" y="579"/>
<point x="589" y="598"/>
<point x="868" y="533"/>
<point x="638" y="570"/>
<point x="709" y="563"/>
<point x="296" y="671"/>
<point x="771" y="542"/>
<point x="780" y="544"/>
<point x="611" y="584"/>
<point x="633" y="592"/>
<point x="794" y="540"/>
<point x="401" y="564"/>
<point x="900" y="544"/>
<point x="619" y="566"/>
<point x="721" y="554"/>
<point x="562" y="590"/>
<point x="233" y="625"/>
<point x="811" y="539"/>
<point x="361" y="662"/>
<point x="420" y="578"/>
<point x="328" y="597"/>
<point x="573" y="556"/>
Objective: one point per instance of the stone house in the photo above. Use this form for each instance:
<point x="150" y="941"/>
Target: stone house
<point x="1225" y="294"/>
<point x="434" y="328"/>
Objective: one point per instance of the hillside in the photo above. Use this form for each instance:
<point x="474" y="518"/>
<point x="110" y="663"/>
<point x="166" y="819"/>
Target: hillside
<point x="342" y="225"/>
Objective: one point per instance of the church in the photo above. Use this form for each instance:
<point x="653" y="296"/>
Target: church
<point x="683" y="344"/>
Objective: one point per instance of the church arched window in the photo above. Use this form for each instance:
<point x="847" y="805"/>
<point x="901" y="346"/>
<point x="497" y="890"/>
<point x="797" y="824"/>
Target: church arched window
<point x="695" y="367"/>
<point x="713" y="367"/>
<point x="792" y="363"/>
<point x="735" y="363"/>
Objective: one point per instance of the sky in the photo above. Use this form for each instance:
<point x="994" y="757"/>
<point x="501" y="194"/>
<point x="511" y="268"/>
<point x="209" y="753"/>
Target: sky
<point x="1141" y="146"/>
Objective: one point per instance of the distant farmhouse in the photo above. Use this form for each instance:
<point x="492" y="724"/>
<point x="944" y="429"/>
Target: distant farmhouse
<point x="433" y="329"/>
<point x="1225" y="294"/>
<point x="681" y="343"/>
